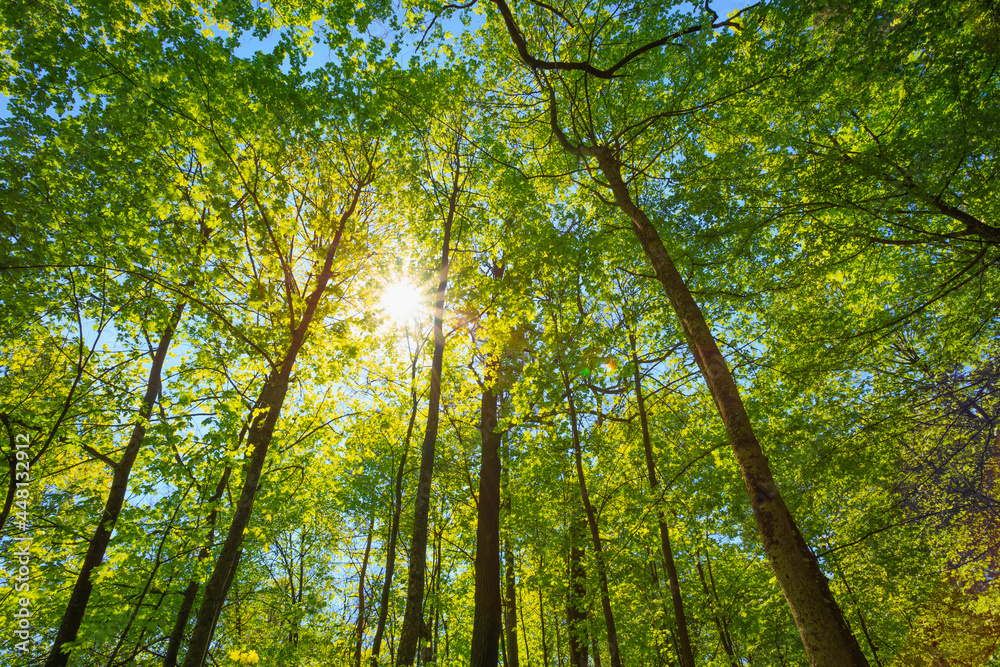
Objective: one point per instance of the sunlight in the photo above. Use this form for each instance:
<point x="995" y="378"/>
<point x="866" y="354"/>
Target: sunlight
<point x="402" y="302"/>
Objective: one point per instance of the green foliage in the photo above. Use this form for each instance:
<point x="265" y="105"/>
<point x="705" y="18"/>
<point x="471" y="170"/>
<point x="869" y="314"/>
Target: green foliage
<point x="824" y="175"/>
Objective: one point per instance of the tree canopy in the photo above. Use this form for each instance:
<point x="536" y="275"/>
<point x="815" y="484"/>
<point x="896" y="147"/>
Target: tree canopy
<point x="541" y="333"/>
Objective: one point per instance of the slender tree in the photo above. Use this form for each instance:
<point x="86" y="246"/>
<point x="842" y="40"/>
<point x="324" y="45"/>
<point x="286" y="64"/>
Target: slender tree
<point x="487" y="625"/>
<point x="683" y="638"/>
<point x="576" y="602"/>
<point x="510" y="581"/>
<point x="413" y="617"/>
<point x="98" y="547"/>
<point x="397" y="509"/>
<point x="614" y="649"/>
<point x="261" y="431"/>
<point x="359" y="630"/>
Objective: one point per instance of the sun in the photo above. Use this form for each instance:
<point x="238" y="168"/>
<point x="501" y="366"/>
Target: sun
<point x="402" y="302"/>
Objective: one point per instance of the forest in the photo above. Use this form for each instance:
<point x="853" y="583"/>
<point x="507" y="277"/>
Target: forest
<point x="548" y="333"/>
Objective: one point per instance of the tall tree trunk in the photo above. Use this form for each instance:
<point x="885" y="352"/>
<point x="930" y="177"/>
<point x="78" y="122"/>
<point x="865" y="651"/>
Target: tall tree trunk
<point x="827" y="638"/>
<point x="595" y="533"/>
<point x="271" y="400"/>
<point x="510" y="601"/>
<point x="541" y="614"/>
<point x="559" y="652"/>
<point x="397" y="510"/>
<point x="98" y="547"/>
<point x="524" y="630"/>
<point x="360" y="629"/>
<point x="857" y="604"/>
<point x="413" y="614"/>
<point x="576" y="603"/>
<point x="191" y="592"/>
<point x="596" y="651"/>
<point x="487" y="623"/>
<point x="683" y="639"/>
<point x="825" y="634"/>
<point x="713" y="603"/>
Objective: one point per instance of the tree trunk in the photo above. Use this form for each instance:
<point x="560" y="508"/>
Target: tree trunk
<point x="360" y="629"/>
<point x="524" y="630"/>
<point x="510" y="603"/>
<point x="576" y="605"/>
<point x="596" y="651"/>
<point x="541" y="614"/>
<point x="857" y="604"/>
<point x="191" y="592"/>
<point x="713" y="602"/>
<point x="77" y="606"/>
<point x="413" y="614"/>
<point x="397" y="510"/>
<point x="270" y="401"/>
<point x="487" y="624"/>
<point x="595" y="533"/>
<point x="827" y="638"/>
<point x="683" y="639"/>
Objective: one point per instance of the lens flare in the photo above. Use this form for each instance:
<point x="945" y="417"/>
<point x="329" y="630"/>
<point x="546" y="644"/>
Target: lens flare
<point x="402" y="302"/>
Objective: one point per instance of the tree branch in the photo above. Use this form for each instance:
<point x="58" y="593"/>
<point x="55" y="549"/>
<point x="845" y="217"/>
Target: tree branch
<point x="522" y="46"/>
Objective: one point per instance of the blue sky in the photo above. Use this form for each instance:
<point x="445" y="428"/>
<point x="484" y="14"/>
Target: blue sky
<point x="322" y="55"/>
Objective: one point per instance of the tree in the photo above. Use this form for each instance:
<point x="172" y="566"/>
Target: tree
<point x="414" y="618"/>
<point x="302" y="306"/>
<point x="824" y="632"/>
